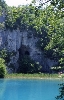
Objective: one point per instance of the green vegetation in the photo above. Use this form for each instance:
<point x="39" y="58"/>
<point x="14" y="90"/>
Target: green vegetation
<point x="33" y="76"/>
<point x="2" y="68"/>
<point x="61" y="92"/>
<point x="27" y="65"/>
<point x="6" y="55"/>
<point x="45" y="23"/>
<point x="3" y="5"/>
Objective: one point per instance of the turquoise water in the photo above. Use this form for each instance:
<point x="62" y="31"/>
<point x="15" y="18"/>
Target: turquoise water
<point x="29" y="89"/>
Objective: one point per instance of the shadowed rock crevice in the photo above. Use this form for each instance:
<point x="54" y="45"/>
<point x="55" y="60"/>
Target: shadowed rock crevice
<point x="23" y="51"/>
<point x="27" y="53"/>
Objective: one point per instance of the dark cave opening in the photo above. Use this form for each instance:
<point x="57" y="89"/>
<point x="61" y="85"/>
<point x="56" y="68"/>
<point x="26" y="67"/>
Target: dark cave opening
<point x="27" y="53"/>
<point x="23" y="56"/>
<point x="23" y="51"/>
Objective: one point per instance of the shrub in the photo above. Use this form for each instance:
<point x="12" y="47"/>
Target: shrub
<point x="27" y="65"/>
<point x="2" y="68"/>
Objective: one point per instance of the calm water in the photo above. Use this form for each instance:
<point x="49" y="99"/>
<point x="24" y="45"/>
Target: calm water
<point x="29" y="89"/>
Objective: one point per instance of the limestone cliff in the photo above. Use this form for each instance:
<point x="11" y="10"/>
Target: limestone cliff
<point x="20" y="42"/>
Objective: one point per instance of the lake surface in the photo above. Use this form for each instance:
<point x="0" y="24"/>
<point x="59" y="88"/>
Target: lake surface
<point x="23" y="89"/>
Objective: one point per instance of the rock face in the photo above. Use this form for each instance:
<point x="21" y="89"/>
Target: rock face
<point x="11" y="41"/>
<point x="16" y="42"/>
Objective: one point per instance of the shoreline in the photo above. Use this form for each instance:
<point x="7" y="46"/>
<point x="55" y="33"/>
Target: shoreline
<point x="35" y="76"/>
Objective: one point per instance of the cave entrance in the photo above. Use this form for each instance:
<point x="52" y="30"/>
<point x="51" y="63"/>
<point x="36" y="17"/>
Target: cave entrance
<point x="24" y="51"/>
<point x="27" y="53"/>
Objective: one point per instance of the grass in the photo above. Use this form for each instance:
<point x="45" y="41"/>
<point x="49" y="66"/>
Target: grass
<point x="34" y="76"/>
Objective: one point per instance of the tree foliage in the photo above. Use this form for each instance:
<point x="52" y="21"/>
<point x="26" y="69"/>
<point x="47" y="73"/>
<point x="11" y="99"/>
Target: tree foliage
<point x="61" y="94"/>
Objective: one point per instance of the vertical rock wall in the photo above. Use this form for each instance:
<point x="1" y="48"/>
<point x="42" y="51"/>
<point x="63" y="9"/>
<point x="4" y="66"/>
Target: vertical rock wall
<point x="11" y="41"/>
<point x="15" y="40"/>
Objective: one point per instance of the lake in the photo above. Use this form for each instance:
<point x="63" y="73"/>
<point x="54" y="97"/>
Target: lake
<point x="23" y="89"/>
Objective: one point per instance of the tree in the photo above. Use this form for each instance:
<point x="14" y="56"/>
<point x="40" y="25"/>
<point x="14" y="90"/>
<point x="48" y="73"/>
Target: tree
<point x="61" y="94"/>
<point x="59" y="4"/>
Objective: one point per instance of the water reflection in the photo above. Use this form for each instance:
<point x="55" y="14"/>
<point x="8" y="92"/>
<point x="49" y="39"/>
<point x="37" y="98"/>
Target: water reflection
<point x="60" y="96"/>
